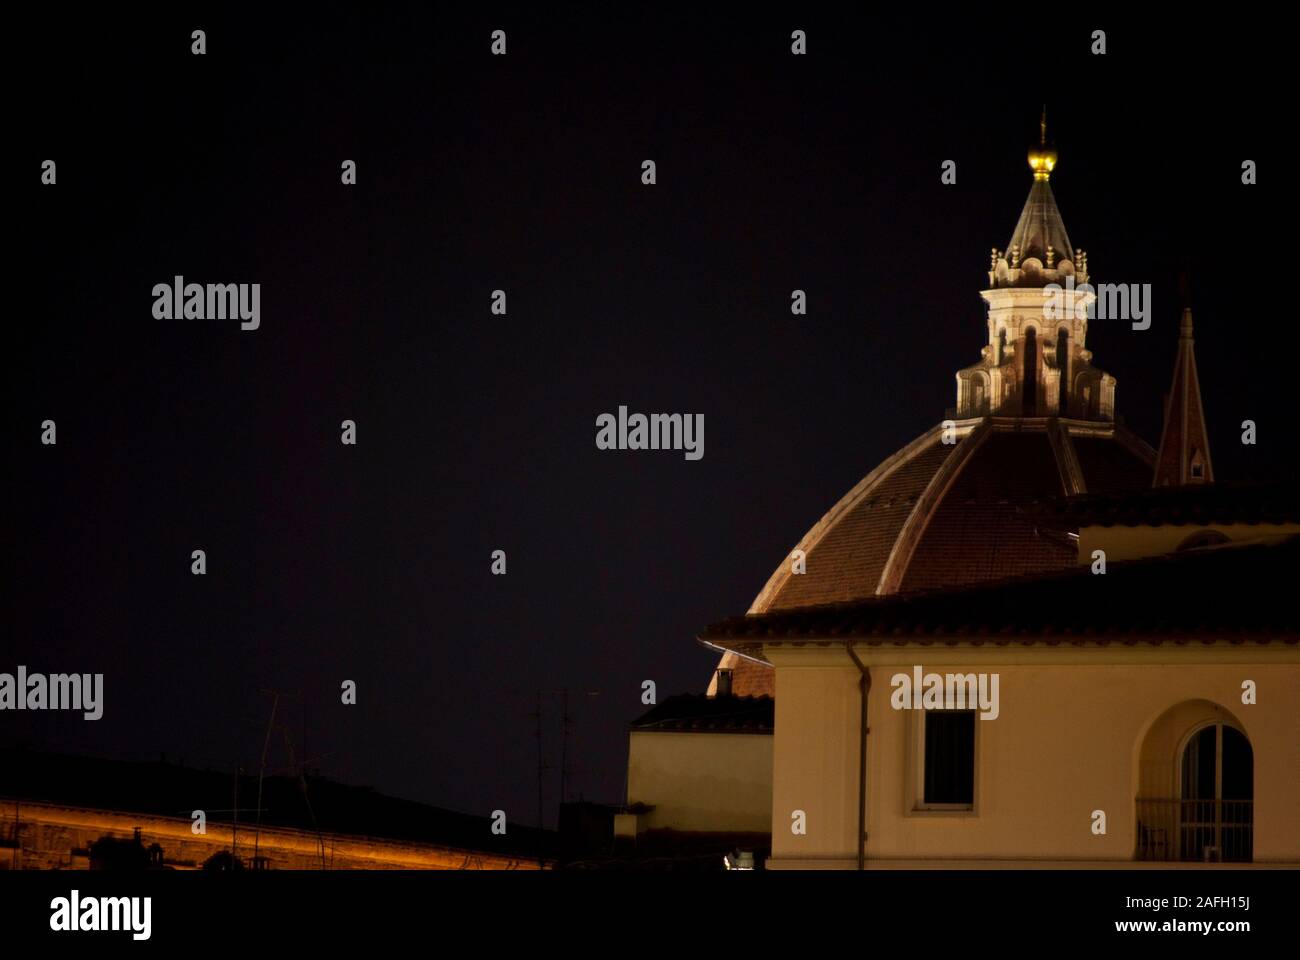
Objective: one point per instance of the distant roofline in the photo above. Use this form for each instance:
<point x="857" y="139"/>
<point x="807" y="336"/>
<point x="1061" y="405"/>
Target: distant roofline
<point x="1247" y="503"/>
<point x="728" y="714"/>
<point x="961" y="615"/>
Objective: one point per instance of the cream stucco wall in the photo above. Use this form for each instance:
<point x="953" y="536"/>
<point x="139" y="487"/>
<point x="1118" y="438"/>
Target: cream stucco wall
<point x="1068" y="741"/>
<point x="702" y="781"/>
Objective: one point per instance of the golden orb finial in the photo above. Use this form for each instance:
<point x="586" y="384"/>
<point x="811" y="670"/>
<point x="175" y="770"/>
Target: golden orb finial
<point x="1042" y="158"/>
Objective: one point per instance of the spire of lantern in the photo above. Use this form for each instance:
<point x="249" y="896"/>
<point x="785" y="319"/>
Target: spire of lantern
<point x="1039" y="236"/>
<point x="1042" y="157"/>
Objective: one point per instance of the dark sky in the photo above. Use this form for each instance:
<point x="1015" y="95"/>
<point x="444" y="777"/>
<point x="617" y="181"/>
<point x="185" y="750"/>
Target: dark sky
<point x="477" y="432"/>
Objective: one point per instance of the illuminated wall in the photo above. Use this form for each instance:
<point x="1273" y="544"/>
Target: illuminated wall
<point x="1069" y="740"/>
<point x="703" y="782"/>
<point x="50" y="837"/>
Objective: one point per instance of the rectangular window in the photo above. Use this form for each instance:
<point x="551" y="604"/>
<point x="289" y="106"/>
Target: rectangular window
<point x="949" y="758"/>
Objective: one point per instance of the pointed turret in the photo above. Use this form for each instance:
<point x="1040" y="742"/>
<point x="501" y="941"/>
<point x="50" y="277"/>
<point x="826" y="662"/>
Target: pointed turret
<point x="1040" y="232"/>
<point x="1040" y="228"/>
<point x="1184" y="455"/>
<point x="1036" y="363"/>
<point x="1039" y="251"/>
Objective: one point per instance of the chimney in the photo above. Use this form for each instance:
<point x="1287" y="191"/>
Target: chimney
<point x="724" y="683"/>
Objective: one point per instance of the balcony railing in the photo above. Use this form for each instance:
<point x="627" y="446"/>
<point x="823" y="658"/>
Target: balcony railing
<point x="1209" y="831"/>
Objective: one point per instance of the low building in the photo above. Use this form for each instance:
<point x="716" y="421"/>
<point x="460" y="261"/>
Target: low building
<point x="699" y="777"/>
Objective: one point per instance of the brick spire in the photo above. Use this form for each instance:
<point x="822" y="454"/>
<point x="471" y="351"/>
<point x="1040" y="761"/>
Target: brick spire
<point x="1184" y="456"/>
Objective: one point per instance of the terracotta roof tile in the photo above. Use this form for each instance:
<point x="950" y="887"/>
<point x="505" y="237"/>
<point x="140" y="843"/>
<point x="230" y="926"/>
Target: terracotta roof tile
<point x="977" y="531"/>
<point x="1108" y="467"/>
<point x="846" y="564"/>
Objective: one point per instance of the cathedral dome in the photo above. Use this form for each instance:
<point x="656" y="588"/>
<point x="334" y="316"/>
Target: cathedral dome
<point x="1034" y="420"/>
<point x="939" y="514"/>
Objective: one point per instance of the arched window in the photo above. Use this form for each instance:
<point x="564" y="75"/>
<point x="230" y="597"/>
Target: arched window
<point x="1203" y="538"/>
<point x="1063" y="364"/>
<point x="1002" y="346"/>
<point x="1218" y="784"/>
<point x="1029" y="383"/>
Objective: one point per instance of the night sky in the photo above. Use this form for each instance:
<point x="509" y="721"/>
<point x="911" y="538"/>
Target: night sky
<point x="477" y="432"/>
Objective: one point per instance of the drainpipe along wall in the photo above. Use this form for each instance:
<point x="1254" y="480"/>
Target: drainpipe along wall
<point x="864" y="688"/>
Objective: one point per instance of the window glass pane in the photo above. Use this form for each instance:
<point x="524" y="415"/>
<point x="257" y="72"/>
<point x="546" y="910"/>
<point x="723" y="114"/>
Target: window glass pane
<point x="1198" y="766"/>
<point x="950" y="757"/>
<point x="1238" y="766"/>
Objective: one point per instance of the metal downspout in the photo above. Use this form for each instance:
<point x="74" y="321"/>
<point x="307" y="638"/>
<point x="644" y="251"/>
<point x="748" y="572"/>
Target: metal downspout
<point x="864" y="687"/>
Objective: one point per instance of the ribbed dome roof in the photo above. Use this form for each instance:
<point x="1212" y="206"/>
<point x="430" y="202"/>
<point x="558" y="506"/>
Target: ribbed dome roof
<point x="941" y="515"/>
